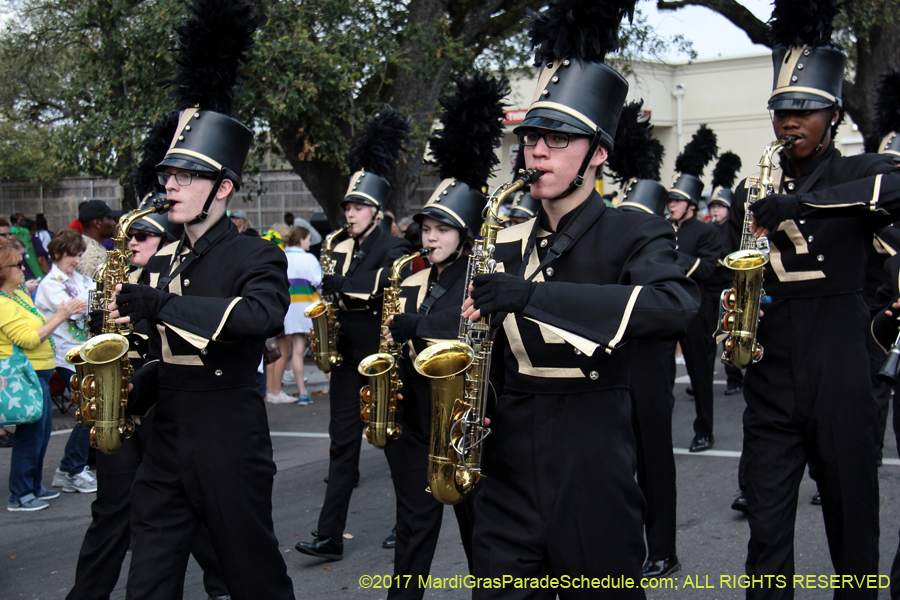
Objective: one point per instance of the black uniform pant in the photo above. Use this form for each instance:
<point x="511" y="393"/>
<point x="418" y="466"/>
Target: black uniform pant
<point x="881" y="390"/>
<point x="193" y="473"/>
<point x="109" y="534"/>
<point x="810" y="399"/>
<point x="345" y="429"/>
<point x="419" y="515"/>
<point x="652" y="378"/>
<point x="559" y="496"/>
<point x="698" y="346"/>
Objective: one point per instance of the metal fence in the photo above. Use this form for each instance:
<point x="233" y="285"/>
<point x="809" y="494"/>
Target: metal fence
<point x="265" y="197"/>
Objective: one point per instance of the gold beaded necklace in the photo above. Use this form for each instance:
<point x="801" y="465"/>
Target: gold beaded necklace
<point x="29" y="307"/>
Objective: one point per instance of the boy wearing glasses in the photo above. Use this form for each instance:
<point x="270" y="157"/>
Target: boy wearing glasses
<point x="213" y="298"/>
<point x="571" y="287"/>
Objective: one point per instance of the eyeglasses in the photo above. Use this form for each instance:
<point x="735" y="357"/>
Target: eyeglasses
<point x="553" y="139"/>
<point x="7" y="234"/>
<point x="141" y="236"/>
<point x="19" y="265"/>
<point x="181" y="178"/>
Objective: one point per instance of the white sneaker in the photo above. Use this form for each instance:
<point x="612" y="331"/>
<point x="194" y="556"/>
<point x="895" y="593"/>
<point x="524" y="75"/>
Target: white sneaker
<point x="279" y="398"/>
<point x="84" y="482"/>
<point x="60" y="478"/>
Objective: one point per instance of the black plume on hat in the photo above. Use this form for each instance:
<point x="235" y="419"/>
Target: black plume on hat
<point x="638" y="154"/>
<point x="153" y="150"/>
<point x="697" y="153"/>
<point x="378" y="148"/>
<point x="213" y="45"/>
<point x="726" y="170"/>
<point x="887" y="108"/>
<point x="580" y="29"/>
<point x="802" y="22"/>
<point x="520" y="160"/>
<point x="464" y="148"/>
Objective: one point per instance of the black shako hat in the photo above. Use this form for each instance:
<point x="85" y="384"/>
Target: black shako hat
<point x="723" y="179"/>
<point x="524" y="206"/>
<point x="576" y="92"/>
<point x="374" y="158"/>
<point x="464" y="150"/>
<point x="809" y="69"/>
<point x="636" y="162"/>
<point x="690" y="163"/>
<point x="213" y="45"/>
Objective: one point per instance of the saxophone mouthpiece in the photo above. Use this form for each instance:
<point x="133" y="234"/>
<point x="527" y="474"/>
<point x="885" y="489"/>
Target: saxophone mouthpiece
<point x="529" y="176"/>
<point x="425" y="252"/>
<point x="162" y="205"/>
<point x="788" y="141"/>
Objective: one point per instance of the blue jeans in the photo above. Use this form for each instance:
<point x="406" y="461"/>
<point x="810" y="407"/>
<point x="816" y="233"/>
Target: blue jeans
<point x="28" y="448"/>
<point x="75" y="456"/>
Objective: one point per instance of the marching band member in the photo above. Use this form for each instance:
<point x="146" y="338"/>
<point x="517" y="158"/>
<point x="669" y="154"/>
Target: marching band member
<point x="559" y="494"/>
<point x="431" y="298"/>
<point x="809" y="399"/>
<point x="363" y="265"/>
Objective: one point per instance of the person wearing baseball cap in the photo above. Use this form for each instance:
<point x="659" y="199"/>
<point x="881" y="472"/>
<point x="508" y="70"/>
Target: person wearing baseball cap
<point x="98" y="221"/>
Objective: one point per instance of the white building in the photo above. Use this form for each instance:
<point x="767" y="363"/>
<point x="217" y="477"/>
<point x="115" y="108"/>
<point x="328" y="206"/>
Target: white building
<point x="728" y="94"/>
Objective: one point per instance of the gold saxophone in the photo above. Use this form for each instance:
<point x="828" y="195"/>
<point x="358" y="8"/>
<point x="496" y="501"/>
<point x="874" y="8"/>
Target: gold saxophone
<point x="460" y="371"/>
<point x="740" y="304"/>
<point x="324" y="334"/>
<point x="102" y="368"/>
<point x="378" y="399"/>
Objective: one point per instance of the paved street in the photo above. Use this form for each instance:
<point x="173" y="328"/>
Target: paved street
<point x="38" y="551"/>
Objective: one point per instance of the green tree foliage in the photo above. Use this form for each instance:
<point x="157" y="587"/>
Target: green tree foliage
<point x="79" y="79"/>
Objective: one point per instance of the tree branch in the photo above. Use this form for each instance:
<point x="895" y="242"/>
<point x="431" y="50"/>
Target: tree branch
<point x="739" y="15"/>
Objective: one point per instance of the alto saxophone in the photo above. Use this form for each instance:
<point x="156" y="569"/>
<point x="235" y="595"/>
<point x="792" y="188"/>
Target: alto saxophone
<point x="740" y="304"/>
<point x="378" y="399"/>
<point x="324" y="335"/>
<point x="460" y="371"/>
<point x="102" y="368"/>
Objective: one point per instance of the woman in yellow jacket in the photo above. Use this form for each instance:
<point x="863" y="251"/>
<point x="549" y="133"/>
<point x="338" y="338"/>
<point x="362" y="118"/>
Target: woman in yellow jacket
<point x="22" y="325"/>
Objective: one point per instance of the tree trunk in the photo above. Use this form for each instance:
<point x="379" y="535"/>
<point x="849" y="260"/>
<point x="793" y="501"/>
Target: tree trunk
<point x="325" y="180"/>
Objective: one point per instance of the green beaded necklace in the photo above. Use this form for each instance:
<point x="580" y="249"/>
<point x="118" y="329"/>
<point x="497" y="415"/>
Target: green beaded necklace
<point x="29" y="307"/>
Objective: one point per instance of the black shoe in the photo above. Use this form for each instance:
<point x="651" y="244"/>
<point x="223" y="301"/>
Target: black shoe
<point x="5" y="440"/>
<point x="660" y="568"/>
<point x="816" y="500"/>
<point x="689" y="391"/>
<point x="702" y="443"/>
<point x="734" y="390"/>
<point x="390" y="542"/>
<point x="225" y="597"/>
<point x="322" y="547"/>
<point x="740" y="504"/>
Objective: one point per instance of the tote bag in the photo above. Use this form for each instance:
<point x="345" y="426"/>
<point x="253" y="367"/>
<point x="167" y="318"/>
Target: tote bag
<point x="21" y="396"/>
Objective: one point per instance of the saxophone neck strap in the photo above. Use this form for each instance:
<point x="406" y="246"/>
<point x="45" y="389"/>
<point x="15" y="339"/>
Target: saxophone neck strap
<point x="437" y="291"/>
<point x="586" y="215"/>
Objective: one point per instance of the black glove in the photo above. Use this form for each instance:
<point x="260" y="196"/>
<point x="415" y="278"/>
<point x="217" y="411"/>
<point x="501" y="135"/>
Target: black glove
<point x="95" y="322"/>
<point x="496" y="292"/>
<point x="331" y="285"/>
<point x="403" y="327"/>
<point x="141" y="301"/>
<point x="774" y="209"/>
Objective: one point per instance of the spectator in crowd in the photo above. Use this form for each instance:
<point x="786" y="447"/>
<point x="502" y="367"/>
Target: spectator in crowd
<point x="289" y="219"/>
<point x="97" y="221"/>
<point x="305" y="276"/>
<point x="28" y="230"/>
<point x="240" y="220"/>
<point x="42" y="229"/>
<point x="22" y="325"/>
<point x="64" y="284"/>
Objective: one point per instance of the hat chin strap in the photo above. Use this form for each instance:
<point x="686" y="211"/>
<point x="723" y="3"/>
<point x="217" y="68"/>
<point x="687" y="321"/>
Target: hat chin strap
<point x="209" y="200"/>
<point x="579" y="179"/>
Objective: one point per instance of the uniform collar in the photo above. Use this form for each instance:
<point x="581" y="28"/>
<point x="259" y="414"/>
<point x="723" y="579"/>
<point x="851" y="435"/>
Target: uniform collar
<point x="572" y="214"/>
<point x="811" y="165"/>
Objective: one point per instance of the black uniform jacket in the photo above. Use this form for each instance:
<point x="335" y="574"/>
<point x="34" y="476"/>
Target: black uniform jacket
<point x="813" y="256"/>
<point x="620" y="280"/>
<point x="228" y="300"/>
<point x="699" y="249"/>
<point x="365" y="278"/>
<point x="441" y="323"/>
